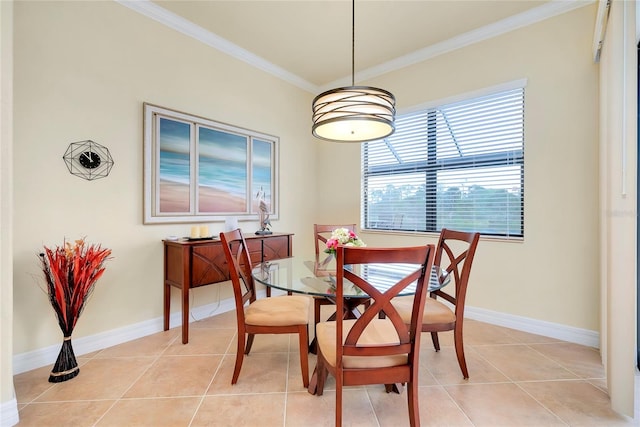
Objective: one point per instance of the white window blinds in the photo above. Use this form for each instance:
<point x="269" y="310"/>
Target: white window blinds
<point x="459" y="165"/>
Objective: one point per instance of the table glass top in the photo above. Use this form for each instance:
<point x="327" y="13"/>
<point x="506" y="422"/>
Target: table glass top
<point x="318" y="278"/>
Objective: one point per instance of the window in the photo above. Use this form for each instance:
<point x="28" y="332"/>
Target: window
<point x="458" y="165"/>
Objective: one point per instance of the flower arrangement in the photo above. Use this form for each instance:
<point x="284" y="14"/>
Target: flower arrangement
<point x="342" y="236"/>
<point x="71" y="272"/>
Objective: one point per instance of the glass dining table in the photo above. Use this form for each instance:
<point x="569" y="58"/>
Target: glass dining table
<point x="302" y="276"/>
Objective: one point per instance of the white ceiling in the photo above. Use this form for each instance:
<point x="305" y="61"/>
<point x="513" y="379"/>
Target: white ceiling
<point x="308" y="42"/>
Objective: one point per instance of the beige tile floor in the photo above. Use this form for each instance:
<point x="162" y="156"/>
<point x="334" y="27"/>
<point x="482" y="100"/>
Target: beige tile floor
<point x="517" y="379"/>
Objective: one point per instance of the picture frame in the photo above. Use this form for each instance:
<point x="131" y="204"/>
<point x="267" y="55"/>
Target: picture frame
<point x="200" y="170"/>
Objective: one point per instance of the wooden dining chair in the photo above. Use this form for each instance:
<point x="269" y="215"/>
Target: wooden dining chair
<point x="371" y="349"/>
<point x="455" y="250"/>
<point x="276" y="315"/>
<point x="322" y="233"/>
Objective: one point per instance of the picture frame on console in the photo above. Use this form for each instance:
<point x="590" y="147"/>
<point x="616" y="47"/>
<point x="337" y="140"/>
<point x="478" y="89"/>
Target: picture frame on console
<point x="200" y="170"/>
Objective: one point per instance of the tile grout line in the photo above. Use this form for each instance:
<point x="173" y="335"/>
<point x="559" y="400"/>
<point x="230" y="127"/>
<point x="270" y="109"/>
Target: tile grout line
<point x="554" y="361"/>
<point x="478" y="354"/>
<point x="444" y="387"/>
<point x="213" y="377"/>
<point x="373" y="409"/>
<point x="455" y="402"/>
<point x="137" y="379"/>
<point x="541" y="404"/>
<point x="558" y="379"/>
<point x="224" y="355"/>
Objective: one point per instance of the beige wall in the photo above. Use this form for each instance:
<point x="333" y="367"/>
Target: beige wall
<point x="553" y="274"/>
<point x="83" y="70"/>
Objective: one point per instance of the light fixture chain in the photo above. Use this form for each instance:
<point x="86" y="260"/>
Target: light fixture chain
<point x="353" y="42"/>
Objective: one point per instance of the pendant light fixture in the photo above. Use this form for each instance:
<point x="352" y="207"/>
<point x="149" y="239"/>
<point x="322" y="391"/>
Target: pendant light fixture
<point x="353" y="113"/>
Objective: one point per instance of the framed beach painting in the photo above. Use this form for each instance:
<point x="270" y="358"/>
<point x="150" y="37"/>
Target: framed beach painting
<point x="200" y="170"/>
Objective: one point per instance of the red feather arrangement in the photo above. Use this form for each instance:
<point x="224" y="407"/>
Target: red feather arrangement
<point x="71" y="272"/>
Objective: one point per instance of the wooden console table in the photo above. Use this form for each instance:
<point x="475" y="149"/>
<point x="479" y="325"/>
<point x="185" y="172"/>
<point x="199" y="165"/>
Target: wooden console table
<point x="189" y="264"/>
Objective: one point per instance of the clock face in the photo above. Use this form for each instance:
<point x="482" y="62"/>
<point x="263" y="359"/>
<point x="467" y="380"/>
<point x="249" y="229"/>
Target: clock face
<point x="89" y="159"/>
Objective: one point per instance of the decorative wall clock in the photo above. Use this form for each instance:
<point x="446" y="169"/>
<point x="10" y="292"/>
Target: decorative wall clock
<point x="88" y="160"/>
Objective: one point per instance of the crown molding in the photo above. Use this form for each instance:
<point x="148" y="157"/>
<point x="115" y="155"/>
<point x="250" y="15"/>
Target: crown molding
<point x="188" y="28"/>
<point x="540" y="13"/>
<point x="171" y="20"/>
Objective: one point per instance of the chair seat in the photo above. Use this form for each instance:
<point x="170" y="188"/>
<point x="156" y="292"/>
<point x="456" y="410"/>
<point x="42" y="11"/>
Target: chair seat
<point x="278" y="311"/>
<point x="435" y="312"/>
<point x="379" y="331"/>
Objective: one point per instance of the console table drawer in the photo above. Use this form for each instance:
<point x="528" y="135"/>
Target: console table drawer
<point x="208" y="265"/>
<point x="277" y="247"/>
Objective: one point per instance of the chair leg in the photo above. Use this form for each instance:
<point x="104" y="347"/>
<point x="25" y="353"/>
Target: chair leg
<point x="313" y="382"/>
<point x="304" y="354"/>
<point x="457" y="340"/>
<point x="268" y="291"/>
<point x="436" y="342"/>
<point x="239" y="357"/>
<point x="414" y="407"/>
<point x="338" y="401"/>
<point x="317" y="305"/>
<point x="318" y="302"/>
<point x="321" y="375"/>
<point x="394" y="388"/>
<point x="249" y="343"/>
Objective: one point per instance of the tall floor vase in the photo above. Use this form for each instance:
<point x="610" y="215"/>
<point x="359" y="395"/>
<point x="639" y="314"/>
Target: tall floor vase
<point x="71" y="272"/>
<point x="66" y="366"/>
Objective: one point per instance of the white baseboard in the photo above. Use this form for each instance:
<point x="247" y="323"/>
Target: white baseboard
<point x="46" y="356"/>
<point x="535" y="326"/>
<point x="9" y="413"/>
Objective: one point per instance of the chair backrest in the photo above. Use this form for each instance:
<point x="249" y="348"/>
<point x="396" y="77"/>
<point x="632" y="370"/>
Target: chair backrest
<point x="239" y="263"/>
<point x="322" y="232"/>
<point x="355" y="264"/>
<point x="455" y="252"/>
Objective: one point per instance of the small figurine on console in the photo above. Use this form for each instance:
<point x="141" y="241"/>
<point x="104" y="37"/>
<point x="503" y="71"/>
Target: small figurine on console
<point x="265" y="224"/>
